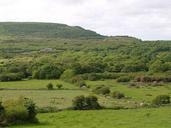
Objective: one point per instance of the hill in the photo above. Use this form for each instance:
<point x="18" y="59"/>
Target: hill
<point x="45" y="30"/>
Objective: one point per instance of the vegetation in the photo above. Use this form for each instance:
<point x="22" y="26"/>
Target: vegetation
<point x="161" y="99"/>
<point x="102" y="90"/>
<point x="131" y="118"/>
<point x="120" y="72"/>
<point x="85" y="103"/>
<point x="18" y="111"/>
<point x="59" y="86"/>
<point x="117" y="95"/>
<point x="50" y="86"/>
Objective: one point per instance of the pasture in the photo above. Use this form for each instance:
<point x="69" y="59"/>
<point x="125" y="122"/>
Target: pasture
<point x="62" y="98"/>
<point x="132" y="118"/>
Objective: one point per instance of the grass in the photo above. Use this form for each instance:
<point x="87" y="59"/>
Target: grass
<point x="138" y="94"/>
<point x="132" y="118"/>
<point x="36" y="90"/>
<point x="34" y="84"/>
<point x="44" y="98"/>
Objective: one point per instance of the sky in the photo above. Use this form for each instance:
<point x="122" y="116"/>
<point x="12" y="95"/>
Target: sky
<point x="144" y="19"/>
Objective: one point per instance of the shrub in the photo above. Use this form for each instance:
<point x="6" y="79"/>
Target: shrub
<point x="117" y="95"/>
<point x="2" y="113"/>
<point x="102" y="90"/>
<point x="85" y="103"/>
<point x="123" y="79"/>
<point x="59" y="86"/>
<point x="147" y="79"/>
<point x="16" y="114"/>
<point x="50" y="86"/>
<point x="31" y="108"/>
<point x="161" y="99"/>
<point x="10" y="77"/>
<point x="21" y="110"/>
<point x="47" y="72"/>
<point x="67" y="74"/>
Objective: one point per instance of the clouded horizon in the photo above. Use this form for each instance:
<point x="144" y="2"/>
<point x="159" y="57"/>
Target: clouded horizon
<point x="148" y="20"/>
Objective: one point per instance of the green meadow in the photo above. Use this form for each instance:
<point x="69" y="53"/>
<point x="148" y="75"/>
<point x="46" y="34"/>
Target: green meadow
<point x="139" y="118"/>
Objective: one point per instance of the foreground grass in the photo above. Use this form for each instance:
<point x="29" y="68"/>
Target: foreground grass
<point x="131" y="118"/>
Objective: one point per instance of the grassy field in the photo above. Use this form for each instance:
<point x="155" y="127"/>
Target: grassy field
<point x="139" y="118"/>
<point x="44" y="98"/>
<point x="36" y="90"/>
<point x="139" y="94"/>
<point x="34" y="84"/>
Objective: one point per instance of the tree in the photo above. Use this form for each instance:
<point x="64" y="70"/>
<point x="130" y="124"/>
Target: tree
<point x="47" y="72"/>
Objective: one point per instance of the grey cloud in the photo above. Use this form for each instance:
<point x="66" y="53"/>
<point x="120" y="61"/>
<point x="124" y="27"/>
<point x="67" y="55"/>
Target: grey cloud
<point x="144" y="19"/>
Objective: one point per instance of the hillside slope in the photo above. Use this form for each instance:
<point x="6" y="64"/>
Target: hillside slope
<point x="45" y="30"/>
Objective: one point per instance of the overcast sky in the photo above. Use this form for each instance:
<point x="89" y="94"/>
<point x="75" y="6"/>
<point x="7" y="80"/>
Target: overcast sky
<point x="145" y="19"/>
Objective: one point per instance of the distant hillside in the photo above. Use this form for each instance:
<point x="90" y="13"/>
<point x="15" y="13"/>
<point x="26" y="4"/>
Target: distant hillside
<point x="45" y="30"/>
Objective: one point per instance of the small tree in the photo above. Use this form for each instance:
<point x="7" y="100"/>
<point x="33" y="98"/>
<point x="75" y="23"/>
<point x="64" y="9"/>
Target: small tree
<point x="50" y="86"/>
<point x="59" y="86"/>
<point x="161" y="99"/>
<point x="31" y="108"/>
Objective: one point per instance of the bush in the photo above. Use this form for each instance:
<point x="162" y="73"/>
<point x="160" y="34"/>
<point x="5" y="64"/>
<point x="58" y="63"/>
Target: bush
<point x="2" y="113"/>
<point x="147" y="79"/>
<point x="59" y="86"/>
<point x="102" y="90"/>
<point x="21" y="110"/>
<point x="161" y="99"/>
<point x="67" y="74"/>
<point x="50" y="86"/>
<point x="31" y="108"/>
<point x="16" y="114"/>
<point x="10" y="77"/>
<point x="85" y="103"/>
<point x="47" y="72"/>
<point x="117" y="95"/>
<point x="123" y="79"/>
